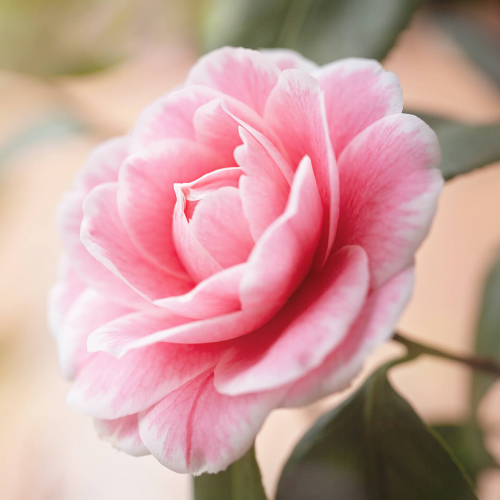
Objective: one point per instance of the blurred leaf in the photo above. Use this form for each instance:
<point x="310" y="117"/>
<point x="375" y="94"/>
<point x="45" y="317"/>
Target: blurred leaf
<point x="467" y="443"/>
<point x="465" y="147"/>
<point x="372" y="447"/>
<point x="488" y="334"/>
<point x="480" y="43"/>
<point x="240" y="481"/>
<point x="323" y="30"/>
<point x="49" y="127"/>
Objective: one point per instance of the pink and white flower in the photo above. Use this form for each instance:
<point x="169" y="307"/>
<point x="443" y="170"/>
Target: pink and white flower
<point x="244" y="248"/>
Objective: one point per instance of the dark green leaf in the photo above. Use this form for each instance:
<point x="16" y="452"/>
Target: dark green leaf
<point x="465" y="147"/>
<point x="467" y="443"/>
<point x="323" y="30"/>
<point x="373" y="447"/>
<point x="488" y="334"/>
<point x="241" y="481"/>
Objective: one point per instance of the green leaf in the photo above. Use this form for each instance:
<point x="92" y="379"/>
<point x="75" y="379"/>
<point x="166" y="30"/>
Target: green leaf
<point x="488" y="334"/>
<point x="323" y="30"/>
<point x="465" y="147"/>
<point x="240" y="481"/>
<point x="373" y="447"/>
<point x="467" y="443"/>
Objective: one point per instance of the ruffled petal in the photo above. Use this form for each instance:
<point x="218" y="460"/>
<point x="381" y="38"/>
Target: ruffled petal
<point x="104" y="236"/>
<point x="263" y="189"/>
<point x="195" y="429"/>
<point x="240" y="73"/>
<point x="314" y="320"/>
<point x="358" y="92"/>
<point x="283" y="255"/>
<point x="109" y="388"/>
<point x="123" y="434"/>
<point x="146" y="196"/>
<point x="374" y="326"/>
<point x="390" y="187"/>
<point x="296" y="111"/>
<point x="289" y="59"/>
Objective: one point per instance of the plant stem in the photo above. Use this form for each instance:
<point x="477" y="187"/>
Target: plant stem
<point x="477" y="363"/>
<point x="246" y="478"/>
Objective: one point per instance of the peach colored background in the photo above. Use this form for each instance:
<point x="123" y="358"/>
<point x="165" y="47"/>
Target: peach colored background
<point x="49" y="452"/>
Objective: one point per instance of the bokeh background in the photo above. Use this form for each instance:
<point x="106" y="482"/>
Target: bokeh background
<point x="74" y="72"/>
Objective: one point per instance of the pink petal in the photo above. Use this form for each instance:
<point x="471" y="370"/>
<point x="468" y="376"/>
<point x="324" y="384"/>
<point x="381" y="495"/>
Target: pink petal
<point x="103" y="164"/>
<point x="82" y="262"/>
<point x="390" y="186"/>
<point x="105" y="237"/>
<point x="109" y="388"/>
<point x="213" y="297"/>
<point x="358" y="92"/>
<point x="62" y="295"/>
<point x="296" y="111"/>
<point x="374" y="325"/>
<point x="196" y="259"/>
<point x="195" y="429"/>
<point x="149" y="327"/>
<point x="263" y="189"/>
<point x="314" y="320"/>
<point x="146" y="196"/>
<point x="283" y="255"/>
<point x="170" y="116"/>
<point x="123" y="434"/>
<point x="241" y="73"/>
<point x="289" y="59"/>
<point x="219" y="224"/>
<point x="88" y="312"/>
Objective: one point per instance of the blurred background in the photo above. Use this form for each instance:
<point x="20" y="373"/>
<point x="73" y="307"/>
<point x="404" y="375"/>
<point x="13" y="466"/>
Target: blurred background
<point x="74" y="72"/>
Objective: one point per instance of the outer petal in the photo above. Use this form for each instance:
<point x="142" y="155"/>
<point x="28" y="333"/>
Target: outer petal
<point x="358" y="92"/>
<point x="104" y="236"/>
<point x="296" y="112"/>
<point x="263" y="189"/>
<point x="390" y="188"/>
<point x="289" y="59"/>
<point x="63" y="295"/>
<point x="195" y="429"/>
<point x="103" y="164"/>
<point x="152" y="326"/>
<point x="374" y="325"/>
<point x="283" y="255"/>
<point x="146" y="196"/>
<point x="123" y="434"/>
<point x="90" y="311"/>
<point x="241" y="73"/>
<point x="213" y="297"/>
<point x="309" y="326"/>
<point x="109" y="388"/>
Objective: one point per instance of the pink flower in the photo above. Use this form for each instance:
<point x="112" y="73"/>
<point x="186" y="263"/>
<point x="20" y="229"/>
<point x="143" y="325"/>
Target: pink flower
<point x="244" y="248"/>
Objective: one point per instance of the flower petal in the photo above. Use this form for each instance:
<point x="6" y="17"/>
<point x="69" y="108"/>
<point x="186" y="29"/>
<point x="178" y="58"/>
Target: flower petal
<point x="89" y="311"/>
<point x="195" y="429"/>
<point x="296" y="111"/>
<point x="109" y="388"/>
<point x="314" y="320"/>
<point x="105" y="237"/>
<point x="289" y="59"/>
<point x="241" y="73"/>
<point x="374" y="325"/>
<point x="146" y="196"/>
<point x="263" y="189"/>
<point x="390" y="186"/>
<point x="283" y="255"/>
<point x="358" y="92"/>
<point x="215" y="296"/>
<point x="123" y="434"/>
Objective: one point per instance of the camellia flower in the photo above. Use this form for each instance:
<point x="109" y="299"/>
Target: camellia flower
<point x="244" y="248"/>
